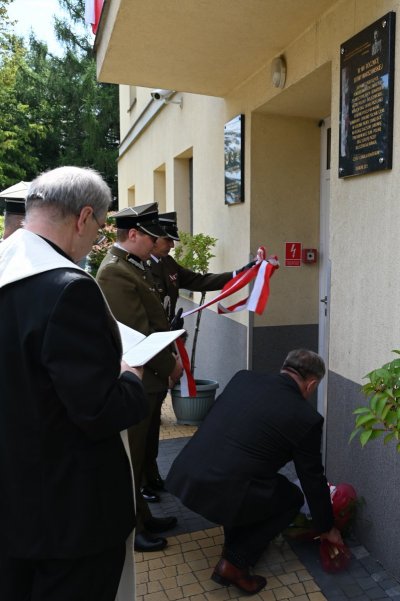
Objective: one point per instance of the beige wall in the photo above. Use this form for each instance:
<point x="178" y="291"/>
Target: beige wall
<point x="282" y="183"/>
<point x="175" y="135"/>
<point x="285" y="208"/>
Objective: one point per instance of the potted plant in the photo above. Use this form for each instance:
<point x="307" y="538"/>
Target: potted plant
<point x="194" y="252"/>
<point x="382" y="414"/>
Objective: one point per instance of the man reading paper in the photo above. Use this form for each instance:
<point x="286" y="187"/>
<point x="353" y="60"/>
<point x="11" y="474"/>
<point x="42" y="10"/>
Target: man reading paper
<point x="66" y="502"/>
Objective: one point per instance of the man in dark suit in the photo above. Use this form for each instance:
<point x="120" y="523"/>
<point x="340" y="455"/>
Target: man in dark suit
<point x="66" y="502"/>
<point x="228" y="472"/>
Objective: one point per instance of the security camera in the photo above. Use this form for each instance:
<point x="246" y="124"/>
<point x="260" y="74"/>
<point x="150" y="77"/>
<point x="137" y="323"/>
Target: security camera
<point x="160" y="94"/>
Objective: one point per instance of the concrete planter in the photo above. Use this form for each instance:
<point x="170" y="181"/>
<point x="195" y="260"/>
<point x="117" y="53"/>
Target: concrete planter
<point x="191" y="411"/>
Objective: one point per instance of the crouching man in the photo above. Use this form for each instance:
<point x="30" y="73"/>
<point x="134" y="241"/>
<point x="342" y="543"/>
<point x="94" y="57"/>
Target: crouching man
<point x="228" y="472"/>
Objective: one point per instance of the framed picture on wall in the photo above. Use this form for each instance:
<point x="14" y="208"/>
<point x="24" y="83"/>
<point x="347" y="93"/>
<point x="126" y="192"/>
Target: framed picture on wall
<point x="234" y="160"/>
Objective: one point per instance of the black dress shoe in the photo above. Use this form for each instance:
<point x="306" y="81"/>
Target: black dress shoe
<point x="160" y="524"/>
<point x="156" y="483"/>
<point x="149" y="495"/>
<point x="146" y="543"/>
<point x="226" y="573"/>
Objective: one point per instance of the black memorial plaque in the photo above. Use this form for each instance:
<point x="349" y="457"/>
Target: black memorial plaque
<point x="366" y="99"/>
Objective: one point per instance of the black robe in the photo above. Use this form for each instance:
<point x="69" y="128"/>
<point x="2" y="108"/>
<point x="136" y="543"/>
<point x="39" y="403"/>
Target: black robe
<point x="65" y="478"/>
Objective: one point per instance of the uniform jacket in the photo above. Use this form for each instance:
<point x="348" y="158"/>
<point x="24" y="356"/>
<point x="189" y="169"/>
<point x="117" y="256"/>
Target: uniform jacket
<point x="227" y="471"/>
<point x="131" y="293"/>
<point x="169" y="276"/>
<point x="65" y="478"/>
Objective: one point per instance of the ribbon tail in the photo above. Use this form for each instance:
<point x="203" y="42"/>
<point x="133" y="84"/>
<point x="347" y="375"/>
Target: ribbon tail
<point x="188" y="385"/>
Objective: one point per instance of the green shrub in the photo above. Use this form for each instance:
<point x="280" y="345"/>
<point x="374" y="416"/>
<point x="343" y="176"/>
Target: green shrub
<point x="382" y="415"/>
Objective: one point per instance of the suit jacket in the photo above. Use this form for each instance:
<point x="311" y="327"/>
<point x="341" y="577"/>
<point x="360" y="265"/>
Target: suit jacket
<point x="133" y="299"/>
<point x="169" y="276"/>
<point x="65" y="478"/>
<point x="228" y="470"/>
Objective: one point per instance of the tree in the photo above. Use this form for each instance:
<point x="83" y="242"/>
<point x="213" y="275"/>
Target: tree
<point x="53" y="110"/>
<point x="17" y="131"/>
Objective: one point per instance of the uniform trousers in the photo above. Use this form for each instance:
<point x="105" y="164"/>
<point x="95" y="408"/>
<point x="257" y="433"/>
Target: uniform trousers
<point x="245" y="543"/>
<point x="150" y="470"/>
<point x="138" y="439"/>
<point x="91" y="578"/>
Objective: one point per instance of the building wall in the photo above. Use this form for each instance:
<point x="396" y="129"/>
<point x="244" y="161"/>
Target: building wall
<point x="282" y="204"/>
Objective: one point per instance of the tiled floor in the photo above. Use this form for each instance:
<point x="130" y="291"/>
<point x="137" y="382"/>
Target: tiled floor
<point x="293" y="572"/>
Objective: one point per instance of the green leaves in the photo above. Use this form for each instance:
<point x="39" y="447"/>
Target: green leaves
<point x="53" y="111"/>
<point x="194" y="251"/>
<point x="382" y="415"/>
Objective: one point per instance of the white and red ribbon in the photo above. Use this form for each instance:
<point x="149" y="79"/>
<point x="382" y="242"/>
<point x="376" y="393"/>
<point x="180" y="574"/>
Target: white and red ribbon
<point x="187" y="383"/>
<point x="261" y="272"/>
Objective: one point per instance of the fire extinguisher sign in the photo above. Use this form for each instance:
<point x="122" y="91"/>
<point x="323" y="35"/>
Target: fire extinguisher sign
<point x="292" y="254"/>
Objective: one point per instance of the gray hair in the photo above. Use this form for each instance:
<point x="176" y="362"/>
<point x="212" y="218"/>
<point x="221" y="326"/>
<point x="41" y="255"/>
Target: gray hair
<point x="67" y="190"/>
<point x="306" y="363"/>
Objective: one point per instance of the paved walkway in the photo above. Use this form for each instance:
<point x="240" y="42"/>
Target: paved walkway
<point x="293" y="572"/>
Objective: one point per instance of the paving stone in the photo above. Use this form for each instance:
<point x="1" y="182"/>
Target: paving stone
<point x="391" y="587"/>
<point x="379" y="576"/>
<point x="317" y="597"/>
<point x="268" y="596"/>
<point x="374" y="593"/>
<point x="370" y="564"/>
<point x="360" y="552"/>
<point x="290" y="578"/>
<point x="297" y="588"/>
<point x="283" y="592"/>
<point x="367" y="583"/>
<point x="351" y="590"/>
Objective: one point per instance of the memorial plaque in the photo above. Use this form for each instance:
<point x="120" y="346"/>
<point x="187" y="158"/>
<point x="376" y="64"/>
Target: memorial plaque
<point x="366" y="99"/>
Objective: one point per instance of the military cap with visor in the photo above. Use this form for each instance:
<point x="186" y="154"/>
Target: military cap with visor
<point x="14" y="198"/>
<point x="168" y="221"/>
<point x="143" y="218"/>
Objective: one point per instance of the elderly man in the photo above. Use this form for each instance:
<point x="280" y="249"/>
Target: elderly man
<point x="228" y="472"/>
<point x="133" y="298"/>
<point x="66" y="503"/>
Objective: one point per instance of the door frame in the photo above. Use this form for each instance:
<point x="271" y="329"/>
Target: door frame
<point x="324" y="269"/>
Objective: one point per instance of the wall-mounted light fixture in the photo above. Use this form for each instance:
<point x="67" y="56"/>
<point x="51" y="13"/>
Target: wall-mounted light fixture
<point x="278" y="72"/>
<point x="164" y="96"/>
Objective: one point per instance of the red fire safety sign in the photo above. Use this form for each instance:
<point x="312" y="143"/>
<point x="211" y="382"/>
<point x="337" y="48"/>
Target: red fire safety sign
<point x="293" y="254"/>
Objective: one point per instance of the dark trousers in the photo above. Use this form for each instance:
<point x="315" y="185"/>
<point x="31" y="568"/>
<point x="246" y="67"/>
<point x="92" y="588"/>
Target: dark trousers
<point x="150" y="469"/>
<point x="137" y="436"/>
<point x="245" y="544"/>
<point x="92" y="578"/>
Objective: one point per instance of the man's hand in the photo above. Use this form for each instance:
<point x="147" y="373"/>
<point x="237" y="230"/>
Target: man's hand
<point x="333" y="536"/>
<point x="138" y="371"/>
<point x="177" y="322"/>
<point x="175" y="374"/>
<point x="245" y="267"/>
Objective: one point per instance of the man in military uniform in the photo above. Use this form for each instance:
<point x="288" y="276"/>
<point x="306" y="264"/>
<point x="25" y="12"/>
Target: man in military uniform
<point x="169" y="277"/>
<point x="134" y="301"/>
<point x="14" y="207"/>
